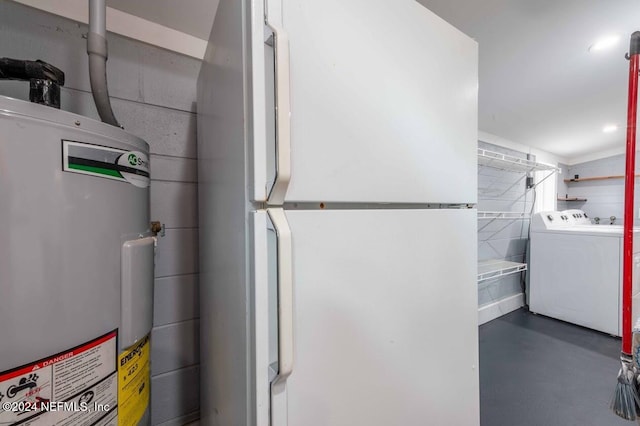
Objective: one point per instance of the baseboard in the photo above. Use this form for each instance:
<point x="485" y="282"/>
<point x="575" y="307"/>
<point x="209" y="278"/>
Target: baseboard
<point x="502" y="307"/>
<point x="190" y="419"/>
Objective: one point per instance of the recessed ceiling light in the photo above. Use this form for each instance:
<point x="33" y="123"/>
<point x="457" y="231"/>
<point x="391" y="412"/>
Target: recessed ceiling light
<point x="610" y="128"/>
<point x="604" y="43"/>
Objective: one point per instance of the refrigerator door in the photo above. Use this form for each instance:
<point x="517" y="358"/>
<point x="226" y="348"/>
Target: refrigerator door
<point x="362" y="101"/>
<point x="376" y="319"/>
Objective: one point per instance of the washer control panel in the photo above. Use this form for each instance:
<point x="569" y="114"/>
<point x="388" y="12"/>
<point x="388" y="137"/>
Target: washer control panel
<point x="580" y="216"/>
<point x="552" y="220"/>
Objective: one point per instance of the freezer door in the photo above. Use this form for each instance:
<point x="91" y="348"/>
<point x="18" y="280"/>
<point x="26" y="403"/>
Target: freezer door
<point x="382" y="328"/>
<point x="362" y="101"/>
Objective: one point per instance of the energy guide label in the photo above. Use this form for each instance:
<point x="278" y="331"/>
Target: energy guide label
<point x="133" y="382"/>
<point x="78" y="387"/>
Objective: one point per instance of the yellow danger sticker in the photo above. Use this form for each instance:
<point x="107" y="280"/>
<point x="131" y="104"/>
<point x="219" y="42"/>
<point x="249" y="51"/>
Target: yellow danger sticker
<point x="133" y="383"/>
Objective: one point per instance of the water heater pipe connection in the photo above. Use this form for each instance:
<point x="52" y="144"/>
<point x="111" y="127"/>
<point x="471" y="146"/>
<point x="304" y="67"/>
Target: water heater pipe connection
<point x="45" y="79"/>
<point x="98" y="54"/>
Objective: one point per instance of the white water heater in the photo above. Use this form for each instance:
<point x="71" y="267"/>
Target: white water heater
<point x="76" y="270"/>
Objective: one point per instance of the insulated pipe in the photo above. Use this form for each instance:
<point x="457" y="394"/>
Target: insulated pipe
<point x="97" y="50"/>
<point x="627" y="262"/>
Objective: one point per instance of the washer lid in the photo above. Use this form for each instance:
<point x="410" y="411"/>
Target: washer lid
<point x="598" y="229"/>
<point x="16" y="107"/>
<point x="592" y="230"/>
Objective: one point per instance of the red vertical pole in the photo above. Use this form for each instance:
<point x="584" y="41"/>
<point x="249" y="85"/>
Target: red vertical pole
<point x="629" y="182"/>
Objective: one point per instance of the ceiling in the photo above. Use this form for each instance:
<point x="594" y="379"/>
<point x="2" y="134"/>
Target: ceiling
<point x="193" y="17"/>
<point x="539" y="84"/>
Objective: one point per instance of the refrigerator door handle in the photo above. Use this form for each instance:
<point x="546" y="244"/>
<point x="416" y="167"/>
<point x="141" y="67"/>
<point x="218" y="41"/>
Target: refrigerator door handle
<point x="285" y="294"/>
<point x="283" y="115"/>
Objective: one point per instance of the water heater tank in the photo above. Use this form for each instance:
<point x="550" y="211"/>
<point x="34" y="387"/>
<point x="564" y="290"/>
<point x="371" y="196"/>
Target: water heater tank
<point x="76" y="270"/>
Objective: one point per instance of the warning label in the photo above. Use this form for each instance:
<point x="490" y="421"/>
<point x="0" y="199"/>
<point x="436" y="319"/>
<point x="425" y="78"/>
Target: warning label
<point x="133" y="383"/>
<point x="76" y="387"/>
<point x="88" y="408"/>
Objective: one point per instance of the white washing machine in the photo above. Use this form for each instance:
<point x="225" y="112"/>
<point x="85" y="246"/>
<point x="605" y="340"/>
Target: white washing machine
<point x="576" y="270"/>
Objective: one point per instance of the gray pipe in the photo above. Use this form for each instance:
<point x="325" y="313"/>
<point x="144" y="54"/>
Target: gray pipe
<point x="97" y="50"/>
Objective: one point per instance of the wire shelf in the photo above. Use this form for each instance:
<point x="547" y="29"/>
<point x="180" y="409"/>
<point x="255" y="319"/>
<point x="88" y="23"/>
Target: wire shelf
<point x="488" y="269"/>
<point x="502" y="215"/>
<point x="510" y="163"/>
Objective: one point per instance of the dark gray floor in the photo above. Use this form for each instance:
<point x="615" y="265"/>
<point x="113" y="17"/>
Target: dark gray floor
<point x="536" y="371"/>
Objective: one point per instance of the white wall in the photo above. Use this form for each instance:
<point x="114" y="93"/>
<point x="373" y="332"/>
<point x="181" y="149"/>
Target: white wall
<point x="605" y="198"/>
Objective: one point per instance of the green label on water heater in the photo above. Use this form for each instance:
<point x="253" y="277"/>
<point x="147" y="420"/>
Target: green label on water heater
<point x="110" y="163"/>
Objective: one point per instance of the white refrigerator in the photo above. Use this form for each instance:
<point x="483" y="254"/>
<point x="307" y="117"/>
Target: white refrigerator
<point x="337" y="185"/>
